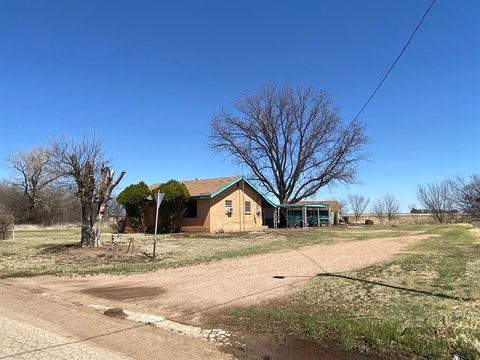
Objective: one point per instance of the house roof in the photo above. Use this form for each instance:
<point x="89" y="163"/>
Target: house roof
<point x="208" y="188"/>
<point x="204" y="187"/>
<point x="333" y="204"/>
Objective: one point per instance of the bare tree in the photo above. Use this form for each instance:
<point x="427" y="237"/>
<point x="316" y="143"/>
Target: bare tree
<point x="391" y="207"/>
<point x="6" y="222"/>
<point x="465" y="193"/>
<point x="293" y="141"/>
<point x="435" y="197"/>
<point x="32" y="174"/>
<point x="358" y="204"/>
<point x="83" y="164"/>
<point x="115" y="209"/>
<point x="379" y="209"/>
<point x="55" y="205"/>
<point x="413" y="212"/>
<point x="13" y="200"/>
<point x="343" y="205"/>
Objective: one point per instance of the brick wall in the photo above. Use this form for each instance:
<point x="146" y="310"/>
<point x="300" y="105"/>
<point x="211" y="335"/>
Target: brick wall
<point x="238" y="220"/>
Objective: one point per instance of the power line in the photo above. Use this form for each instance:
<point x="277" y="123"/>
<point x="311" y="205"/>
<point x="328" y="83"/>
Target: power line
<point x="194" y="312"/>
<point x="396" y="60"/>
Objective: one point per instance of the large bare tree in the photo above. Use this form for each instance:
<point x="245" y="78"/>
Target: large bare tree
<point x="32" y="174"/>
<point x="83" y="165"/>
<point x="358" y="204"/>
<point x="293" y="141"/>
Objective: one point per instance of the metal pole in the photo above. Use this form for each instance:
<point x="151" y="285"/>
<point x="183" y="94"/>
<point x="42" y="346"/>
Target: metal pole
<point x="304" y="216"/>
<point x="158" y="199"/>
<point x="155" y="236"/>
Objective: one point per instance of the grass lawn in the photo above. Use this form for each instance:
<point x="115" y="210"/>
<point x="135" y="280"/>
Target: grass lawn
<point x="55" y="252"/>
<point x="423" y="305"/>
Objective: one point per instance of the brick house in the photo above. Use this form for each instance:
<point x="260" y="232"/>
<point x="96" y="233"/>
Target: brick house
<point x="221" y="204"/>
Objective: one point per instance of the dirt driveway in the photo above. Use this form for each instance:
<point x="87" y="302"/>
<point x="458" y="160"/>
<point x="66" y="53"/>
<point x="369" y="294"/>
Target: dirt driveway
<point x="36" y="326"/>
<point x="188" y="290"/>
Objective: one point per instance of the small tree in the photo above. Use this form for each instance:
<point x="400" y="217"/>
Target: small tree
<point x="32" y="175"/>
<point x="6" y="222"/>
<point x="435" y="197"/>
<point x="173" y="205"/>
<point x="133" y="198"/>
<point x="414" y="213"/>
<point x="358" y="204"/>
<point x="391" y="207"/>
<point x="379" y="209"/>
<point x="343" y="205"/>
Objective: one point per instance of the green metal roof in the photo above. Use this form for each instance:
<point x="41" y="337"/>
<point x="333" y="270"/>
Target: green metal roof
<point x="321" y="206"/>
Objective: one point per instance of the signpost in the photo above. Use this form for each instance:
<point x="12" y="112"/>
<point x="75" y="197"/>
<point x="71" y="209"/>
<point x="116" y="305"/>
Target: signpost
<point x="158" y="199"/>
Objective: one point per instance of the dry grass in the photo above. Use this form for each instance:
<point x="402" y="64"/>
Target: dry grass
<point x="56" y="252"/>
<point x="425" y="304"/>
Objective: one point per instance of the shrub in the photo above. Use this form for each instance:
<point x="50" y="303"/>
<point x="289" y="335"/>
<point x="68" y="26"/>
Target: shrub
<point x="6" y="223"/>
<point x="173" y="205"/>
<point x="133" y="198"/>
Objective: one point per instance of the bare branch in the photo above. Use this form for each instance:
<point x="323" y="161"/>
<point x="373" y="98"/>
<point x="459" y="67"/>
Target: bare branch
<point x="83" y="164"/>
<point x="358" y="204"/>
<point x="32" y="173"/>
<point x="292" y="141"/>
<point x="435" y="198"/>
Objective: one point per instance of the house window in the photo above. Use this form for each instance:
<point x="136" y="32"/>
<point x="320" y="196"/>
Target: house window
<point x="228" y="207"/>
<point x="248" y="207"/>
<point x="191" y="210"/>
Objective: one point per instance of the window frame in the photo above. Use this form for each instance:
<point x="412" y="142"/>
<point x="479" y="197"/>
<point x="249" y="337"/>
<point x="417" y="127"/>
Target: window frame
<point x="249" y="212"/>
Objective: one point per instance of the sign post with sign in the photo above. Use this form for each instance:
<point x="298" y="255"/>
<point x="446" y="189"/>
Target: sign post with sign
<point x="158" y="199"/>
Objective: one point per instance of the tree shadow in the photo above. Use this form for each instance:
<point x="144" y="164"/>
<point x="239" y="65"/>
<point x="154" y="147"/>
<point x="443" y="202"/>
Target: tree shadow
<point x="56" y="248"/>
<point x="377" y="283"/>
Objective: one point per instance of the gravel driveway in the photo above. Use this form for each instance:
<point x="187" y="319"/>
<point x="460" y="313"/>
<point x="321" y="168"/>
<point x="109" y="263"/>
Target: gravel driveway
<point x="182" y="291"/>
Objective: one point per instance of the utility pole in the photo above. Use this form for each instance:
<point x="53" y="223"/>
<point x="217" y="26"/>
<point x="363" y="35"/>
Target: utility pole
<point x="158" y="199"/>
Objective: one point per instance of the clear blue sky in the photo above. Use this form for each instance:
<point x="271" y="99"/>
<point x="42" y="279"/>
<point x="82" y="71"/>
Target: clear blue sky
<point x="148" y="76"/>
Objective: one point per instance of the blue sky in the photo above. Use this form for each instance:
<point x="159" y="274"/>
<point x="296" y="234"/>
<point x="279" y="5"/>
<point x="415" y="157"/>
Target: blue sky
<point x="148" y="76"/>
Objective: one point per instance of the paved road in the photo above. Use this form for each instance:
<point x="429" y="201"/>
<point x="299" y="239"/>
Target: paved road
<point x="19" y="340"/>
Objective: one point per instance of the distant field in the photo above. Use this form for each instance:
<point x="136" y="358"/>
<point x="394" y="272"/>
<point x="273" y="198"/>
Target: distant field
<point x="56" y="251"/>
<point x="407" y="219"/>
<point x="425" y="304"/>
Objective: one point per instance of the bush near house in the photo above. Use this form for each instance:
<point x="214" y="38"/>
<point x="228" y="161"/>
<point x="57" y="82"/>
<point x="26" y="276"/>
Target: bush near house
<point x="173" y="205"/>
<point x="133" y="198"/>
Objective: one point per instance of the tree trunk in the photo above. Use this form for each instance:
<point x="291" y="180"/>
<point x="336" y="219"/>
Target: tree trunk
<point x="100" y="200"/>
<point x="86" y="223"/>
